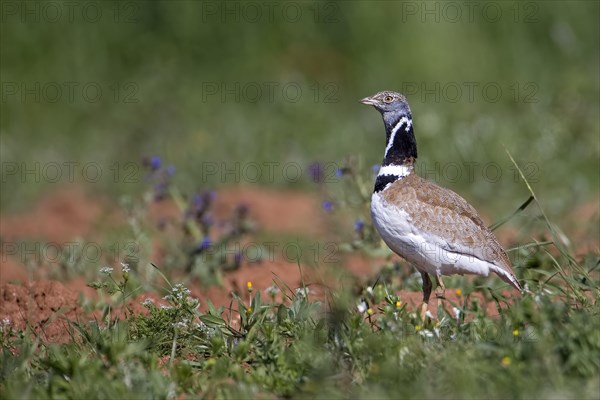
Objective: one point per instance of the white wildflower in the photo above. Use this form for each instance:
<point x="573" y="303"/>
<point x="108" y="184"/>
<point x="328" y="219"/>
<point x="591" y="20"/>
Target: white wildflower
<point x="193" y="302"/>
<point x="106" y="270"/>
<point x="200" y="325"/>
<point x="147" y="302"/>
<point x="180" y="291"/>
<point x="272" y="290"/>
<point x="125" y="267"/>
<point x="456" y="312"/>
<point x="426" y="333"/>
<point x="362" y="307"/>
<point x="181" y="324"/>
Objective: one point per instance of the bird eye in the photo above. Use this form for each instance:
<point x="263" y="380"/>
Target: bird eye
<point x="388" y="99"/>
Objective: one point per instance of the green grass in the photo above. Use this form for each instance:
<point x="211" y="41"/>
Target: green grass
<point x="285" y="342"/>
<point x="546" y="344"/>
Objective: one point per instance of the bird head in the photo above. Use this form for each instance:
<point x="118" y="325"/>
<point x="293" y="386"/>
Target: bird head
<point x="392" y="106"/>
<point x="388" y="102"/>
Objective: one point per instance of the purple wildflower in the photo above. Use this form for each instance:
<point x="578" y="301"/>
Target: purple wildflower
<point x="359" y="225"/>
<point x="200" y="204"/>
<point x="316" y="172"/>
<point x="198" y="200"/>
<point x="237" y="259"/>
<point x="204" y="244"/>
<point x="328" y="206"/>
<point x="155" y="163"/>
<point x="207" y="220"/>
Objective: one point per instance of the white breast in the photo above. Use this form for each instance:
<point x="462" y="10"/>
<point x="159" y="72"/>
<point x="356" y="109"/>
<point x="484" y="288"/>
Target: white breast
<point x="429" y="253"/>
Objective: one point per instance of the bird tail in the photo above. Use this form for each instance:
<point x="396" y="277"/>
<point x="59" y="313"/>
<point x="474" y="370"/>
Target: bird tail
<point x="508" y="277"/>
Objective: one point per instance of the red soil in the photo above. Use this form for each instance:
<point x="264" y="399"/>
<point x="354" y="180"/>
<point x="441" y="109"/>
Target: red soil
<point x="45" y="305"/>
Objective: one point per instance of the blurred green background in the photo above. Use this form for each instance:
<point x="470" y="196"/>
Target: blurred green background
<point x="202" y="82"/>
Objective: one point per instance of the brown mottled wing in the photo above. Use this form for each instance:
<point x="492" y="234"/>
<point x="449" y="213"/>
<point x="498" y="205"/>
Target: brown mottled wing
<point x="443" y="213"/>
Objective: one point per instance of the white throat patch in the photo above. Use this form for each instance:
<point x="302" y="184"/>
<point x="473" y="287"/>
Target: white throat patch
<point x="398" y="170"/>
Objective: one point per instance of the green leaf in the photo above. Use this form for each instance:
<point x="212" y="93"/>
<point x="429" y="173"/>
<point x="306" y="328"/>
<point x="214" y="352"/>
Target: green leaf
<point x="212" y="320"/>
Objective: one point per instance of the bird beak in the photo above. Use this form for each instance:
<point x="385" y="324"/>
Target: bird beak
<point x="368" y="101"/>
